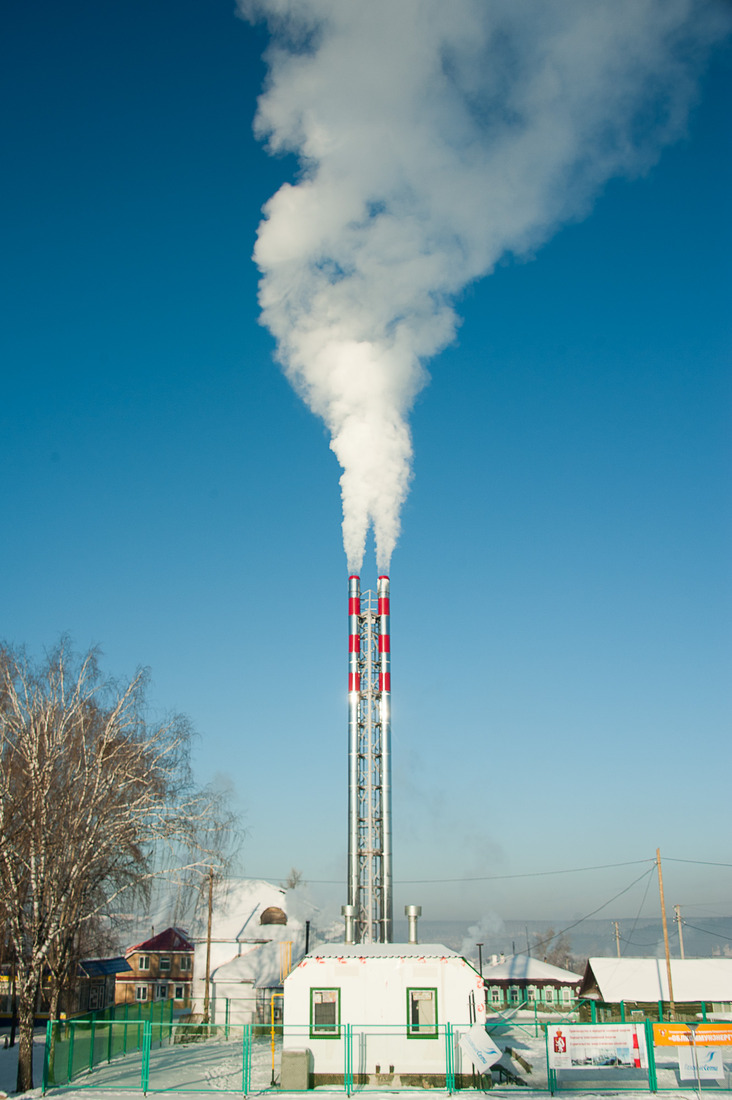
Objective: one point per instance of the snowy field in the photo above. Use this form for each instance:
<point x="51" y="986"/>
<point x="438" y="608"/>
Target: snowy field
<point x="217" y="1066"/>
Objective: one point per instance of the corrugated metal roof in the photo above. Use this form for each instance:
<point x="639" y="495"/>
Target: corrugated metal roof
<point x="524" y="968"/>
<point x="382" y="951"/>
<point x="96" y="968"/>
<point x="646" y="979"/>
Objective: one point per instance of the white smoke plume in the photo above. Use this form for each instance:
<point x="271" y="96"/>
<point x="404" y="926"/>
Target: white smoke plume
<point x="435" y="138"/>
<point x="486" y="932"/>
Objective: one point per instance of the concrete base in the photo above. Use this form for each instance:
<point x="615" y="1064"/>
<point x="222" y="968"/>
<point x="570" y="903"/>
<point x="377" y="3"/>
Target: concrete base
<point x="296" y="1071"/>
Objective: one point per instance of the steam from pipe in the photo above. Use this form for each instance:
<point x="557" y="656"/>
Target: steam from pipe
<point x="434" y="139"/>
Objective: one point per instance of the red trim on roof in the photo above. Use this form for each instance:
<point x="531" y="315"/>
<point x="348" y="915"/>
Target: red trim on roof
<point x="172" y="939"/>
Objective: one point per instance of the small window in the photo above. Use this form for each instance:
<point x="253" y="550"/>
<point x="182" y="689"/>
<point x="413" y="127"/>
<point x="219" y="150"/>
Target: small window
<point x="548" y="994"/>
<point x="179" y="993"/>
<point x="325" y="1013"/>
<point x="144" y="963"/>
<point x="531" y="994"/>
<point x="185" y="962"/>
<point x="161" y="992"/>
<point x="140" y="992"/>
<point x="422" y="1013"/>
<point x="513" y="995"/>
<point x="566" y="995"/>
<point x="164" y="962"/>
<point x="496" y="996"/>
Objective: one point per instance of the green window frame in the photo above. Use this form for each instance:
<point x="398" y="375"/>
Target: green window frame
<point x="325" y="1012"/>
<point x="422" y="1012"/>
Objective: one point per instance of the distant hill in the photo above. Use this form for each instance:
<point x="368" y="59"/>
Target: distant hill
<point x="708" y="937"/>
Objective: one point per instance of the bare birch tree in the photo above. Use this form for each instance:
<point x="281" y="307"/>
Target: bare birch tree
<point x="91" y="793"/>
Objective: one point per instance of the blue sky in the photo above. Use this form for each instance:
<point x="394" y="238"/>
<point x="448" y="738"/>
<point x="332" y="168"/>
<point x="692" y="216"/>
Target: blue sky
<point x="561" y="589"/>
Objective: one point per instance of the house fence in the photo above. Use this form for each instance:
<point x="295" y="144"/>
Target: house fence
<point x="154" y="1055"/>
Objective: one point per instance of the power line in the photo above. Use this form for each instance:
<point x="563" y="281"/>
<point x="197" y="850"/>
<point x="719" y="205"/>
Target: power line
<point x="527" y="874"/>
<point x="640" y="908"/>
<point x="718" y="935"/>
<point x="599" y="908"/>
<point x="700" y="862"/>
<point x="476" y="878"/>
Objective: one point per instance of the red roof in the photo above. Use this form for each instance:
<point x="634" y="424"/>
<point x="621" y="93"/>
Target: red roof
<point x="172" y="939"/>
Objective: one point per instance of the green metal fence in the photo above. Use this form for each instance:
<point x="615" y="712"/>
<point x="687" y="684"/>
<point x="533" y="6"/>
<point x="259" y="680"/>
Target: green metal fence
<point x="77" y="1046"/>
<point x="158" y="1054"/>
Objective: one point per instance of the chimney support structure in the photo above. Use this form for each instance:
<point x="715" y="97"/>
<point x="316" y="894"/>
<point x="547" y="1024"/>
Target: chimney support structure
<point x="369" y="763"/>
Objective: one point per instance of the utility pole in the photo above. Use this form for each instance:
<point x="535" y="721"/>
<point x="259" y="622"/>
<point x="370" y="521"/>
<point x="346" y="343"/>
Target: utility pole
<point x="671" y="1005"/>
<point x="208" y="945"/>
<point x="616" y="926"/>
<point x="679" y="922"/>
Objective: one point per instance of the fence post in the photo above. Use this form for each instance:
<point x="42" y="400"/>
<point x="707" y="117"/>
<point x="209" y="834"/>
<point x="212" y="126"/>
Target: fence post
<point x="47" y="1055"/>
<point x="246" y="1059"/>
<point x="228" y="1008"/>
<point x="146" y="1045"/>
<point x="91" y="1043"/>
<point x="449" y="1063"/>
<point x="72" y="1029"/>
<point x="549" y="1072"/>
<point x="347" y="1076"/>
<point x="660" y="1012"/>
<point x="650" y="1050"/>
<point x="704" y="1011"/>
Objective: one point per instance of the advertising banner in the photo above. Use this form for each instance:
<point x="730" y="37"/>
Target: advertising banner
<point x="597" y="1046"/>
<point x="676" y="1035"/>
<point x="478" y="1046"/>
<point x="698" y="1063"/>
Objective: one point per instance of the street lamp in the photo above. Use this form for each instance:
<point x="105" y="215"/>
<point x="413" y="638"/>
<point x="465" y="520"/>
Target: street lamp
<point x="692" y="1030"/>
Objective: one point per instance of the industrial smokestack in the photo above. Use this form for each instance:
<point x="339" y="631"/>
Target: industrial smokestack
<point x="413" y="913"/>
<point x="354" y="708"/>
<point x="384" y="608"/>
<point x="349" y="912"/>
<point x="369" y="762"/>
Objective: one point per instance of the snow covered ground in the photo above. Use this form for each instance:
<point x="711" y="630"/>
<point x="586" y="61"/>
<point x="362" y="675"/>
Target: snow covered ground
<point x="182" y="1070"/>
<point x="9" y="1062"/>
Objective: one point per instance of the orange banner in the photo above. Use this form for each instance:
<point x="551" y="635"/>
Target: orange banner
<point x="676" y="1035"/>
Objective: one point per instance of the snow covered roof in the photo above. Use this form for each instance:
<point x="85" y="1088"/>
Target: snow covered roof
<point x="262" y="966"/>
<point x="240" y="903"/>
<point x="382" y="951"/>
<point x="525" y="969"/>
<point x="615" y="980"/>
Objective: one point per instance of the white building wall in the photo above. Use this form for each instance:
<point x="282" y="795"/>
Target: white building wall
<point x="373" y="999"/>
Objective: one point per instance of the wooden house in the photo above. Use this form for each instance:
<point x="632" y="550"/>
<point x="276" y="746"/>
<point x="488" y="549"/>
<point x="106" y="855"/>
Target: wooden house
<point x="515" y="981"/>
<point x="635" y="988"/>
<point x="161" y="969"/>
